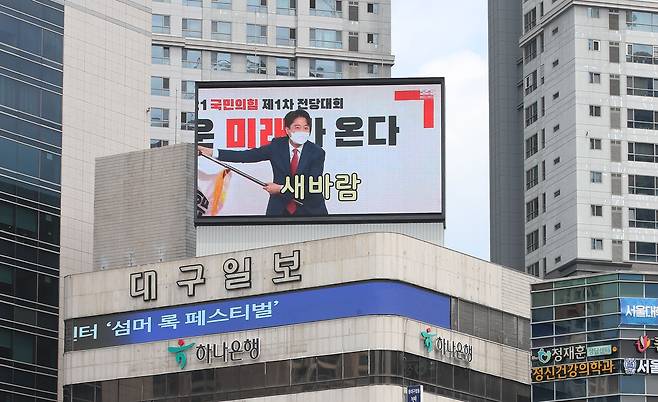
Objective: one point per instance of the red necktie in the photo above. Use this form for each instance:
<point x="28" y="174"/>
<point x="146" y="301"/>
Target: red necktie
<point x="292" y="207"/>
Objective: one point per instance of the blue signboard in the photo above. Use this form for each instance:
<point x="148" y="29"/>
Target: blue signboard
<point x="414" y="393"/>
<point x="639" y="311"/>
<point x="378" y="297"/>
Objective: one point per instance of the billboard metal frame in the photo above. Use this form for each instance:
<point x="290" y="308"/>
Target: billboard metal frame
<point x="329" y="219"/>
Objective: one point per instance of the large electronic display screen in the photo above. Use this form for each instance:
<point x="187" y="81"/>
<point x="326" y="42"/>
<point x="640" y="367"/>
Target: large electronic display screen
<point x="301" y="151"/>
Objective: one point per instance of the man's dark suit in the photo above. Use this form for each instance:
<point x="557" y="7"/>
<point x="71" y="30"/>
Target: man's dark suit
<point x="311" y="163"/>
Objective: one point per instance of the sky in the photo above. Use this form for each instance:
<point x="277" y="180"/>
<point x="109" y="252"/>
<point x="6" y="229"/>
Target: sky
<point x="430" y="38"/>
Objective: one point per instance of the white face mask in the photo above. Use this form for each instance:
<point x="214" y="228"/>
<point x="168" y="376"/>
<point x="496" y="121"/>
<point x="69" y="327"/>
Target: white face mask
<point x="299" y="137"/>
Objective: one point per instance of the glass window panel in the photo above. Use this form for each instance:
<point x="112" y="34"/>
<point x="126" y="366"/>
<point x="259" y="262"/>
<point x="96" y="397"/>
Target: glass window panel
<point x="411" y="366"/>
<point x="542" y="299"/>
<point x="481" y="321"/>
<point x="651" y="290"/>
<point x="545" y="329"/>
<point x="304" y="370"/>
<point x="427" y="370"/>
<point x="25" y="285"/>
<point x="355" y="364"/>
<point x="510" y="330"/>
<point x="251" y="376"/>
<point x="603" y="291"/>
<point x="130" y="389"/>
<point x="461" y="379"/>
<point x="278" y="373"/>
<point x="493" y="387"/>
<point x="569" y="295"/>
<point x="571" y="388"/>
<point x="48" y="290"/>
<point x="603" y="385"/>
<point x="47" y="352"/>
<point x="23" y="347"/>
<point x="603" y="322"/>
<point x="568" y="311"/>
<point x="477" y="383"/>
<point x="50" y="166"/>
<point x="568" y="326"/>
<point x="631" y="289"/>
<point x="444" y="375"/>
<point x="466" y="318"/>
<point x="524" y="334"/>
<point x="569" y="283"/>
<point x="495" y="325"/>
<point x="329" y="367"/>
<point x="633" y="384"/>
<point x="603" y="307"/>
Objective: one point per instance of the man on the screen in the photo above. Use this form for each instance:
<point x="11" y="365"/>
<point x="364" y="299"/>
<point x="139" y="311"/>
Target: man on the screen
<point x="289" y="156"/>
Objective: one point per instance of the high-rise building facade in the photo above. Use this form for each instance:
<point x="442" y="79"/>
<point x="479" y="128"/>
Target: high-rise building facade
<point x="73" y="86"/>
<point x="589" y="117"/>
<point x="31" y="69"/>
<point x="195" y="40"/>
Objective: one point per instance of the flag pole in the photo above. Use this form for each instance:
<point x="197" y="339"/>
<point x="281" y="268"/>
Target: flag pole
<point x="243" y="174"/>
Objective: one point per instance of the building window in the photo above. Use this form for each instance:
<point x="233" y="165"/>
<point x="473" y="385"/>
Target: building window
<point x="161" y="23"/>
<point x="257" y="6"/>
<point x="543" y="235"/>
<point x="286" y="7"/>
<point x="220" y="61"/>
<point x="556" y="95"/>
<point x="597" y="210"/>
<point x="640" y="53"/>
<point x="326" y="38"/>
<point x="531" y="177"/>
<point x="159" y="117"/>
<point x="643" y="218"/>
<point x="373" y="69"/>
<point x="187" y="89"/>
<point x="641" y="86"/>
<point x="531" y="82"/>
<point x="158" y="143"/>
<point x="191" y="58"/>
<point x="593" y="45"/>
<point x="644" y="185"/>
<point x="530" y="114"/>
<point x="595" y="111"/>
<point x="543" y="202"/>
<point x="641" y="21"/>
<point x="556" y="160"/>
<point x="285" y="67"/>
<point x="160" y="86"/>
<point x="193" y="3"/>
<point x="326" y="8"/>
<point x="191" y="28"/>
<point x="373" y="8"/>
<point x="642" y="152"/>
<point x="555" y="31"/>
<point x="556" y="62"/>
<point x="530" y="51"/>
<point x="223" y="4"/>
<point x="642" y="119"/>
<point x="558" y="259"/>
<point x="159" y="54"/>
<point x="372" y="38"/>
<point x="220" y="30"/>
<point x="595" y="143"/>
<point x="594" y="78"/>
<point x="187" y="120"/>
<point x="642" y="251"/>
<point x="596" y="177"/>
<point x="533" y="269"/>
<point x="556" y="128"/>
<point x="531" y="146"/>
<point x="556" y="194"/>
<point x="257" y="34"/>
<point x="542" y="102"/>
<point x="597" y="244"/>
<point x="531" y="209"/>
<point x="529" y="20"/>
<point x="286" y="36"/>
<point x="532" y="241"/>
<point x="325" y="68"/>
<point x="256" y="64"/>
<point x="593" y="12"/>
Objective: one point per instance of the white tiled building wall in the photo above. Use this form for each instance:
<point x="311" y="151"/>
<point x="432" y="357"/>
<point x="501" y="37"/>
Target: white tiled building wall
<point x="574" y="70"/>
<point x="370" y="60"/>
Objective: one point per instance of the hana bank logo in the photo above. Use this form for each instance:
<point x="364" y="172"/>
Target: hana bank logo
<point x="427" y="336"/>
<point x="181" y="358"/>
<point x="642" y="344"/>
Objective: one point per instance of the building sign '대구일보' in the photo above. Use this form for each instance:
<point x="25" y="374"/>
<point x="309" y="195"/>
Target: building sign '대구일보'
<point x="320" y="151"/>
